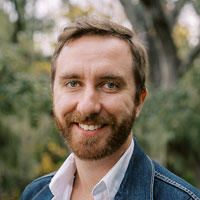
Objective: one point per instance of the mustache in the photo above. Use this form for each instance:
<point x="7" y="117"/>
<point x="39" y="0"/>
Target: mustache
<point x="93" y="118"/>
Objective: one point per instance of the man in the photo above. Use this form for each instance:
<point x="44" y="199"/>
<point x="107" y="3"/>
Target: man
<point x="98" y="87"/>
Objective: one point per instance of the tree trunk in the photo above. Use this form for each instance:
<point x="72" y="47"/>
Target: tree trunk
<point x="164" y="62"/>
<point x="20" y="23"/>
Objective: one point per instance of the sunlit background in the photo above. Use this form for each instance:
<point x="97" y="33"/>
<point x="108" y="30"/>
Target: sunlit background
<point x="169" y="126"/>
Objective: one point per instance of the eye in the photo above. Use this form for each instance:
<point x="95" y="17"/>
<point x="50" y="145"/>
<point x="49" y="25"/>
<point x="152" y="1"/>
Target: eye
<point x="110" y="85"/>
<point x="73" y="84"/>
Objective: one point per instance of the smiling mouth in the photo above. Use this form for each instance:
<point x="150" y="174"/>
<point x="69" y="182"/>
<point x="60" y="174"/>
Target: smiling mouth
<point x="90" y="127"/>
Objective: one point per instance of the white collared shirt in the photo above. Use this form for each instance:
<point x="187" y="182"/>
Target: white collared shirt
<point x="62" y="183"/>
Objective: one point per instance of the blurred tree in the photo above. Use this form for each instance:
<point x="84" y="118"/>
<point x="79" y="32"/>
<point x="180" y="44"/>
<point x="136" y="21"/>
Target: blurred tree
<point x="26" y="124"/>
<point x="26" y="22"/>
<point x="158" y="20"/>
<point x="20" y="24"/>
<point x="172" y="118"/>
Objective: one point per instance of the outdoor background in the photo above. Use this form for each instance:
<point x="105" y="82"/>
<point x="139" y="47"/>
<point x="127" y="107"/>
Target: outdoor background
<point x="169" y="126"/>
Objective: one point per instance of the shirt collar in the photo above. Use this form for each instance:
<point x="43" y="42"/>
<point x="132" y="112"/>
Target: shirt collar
<point x="110" y="183"/>
<point x="112" y="180"/>
<point x="63" y="178"/>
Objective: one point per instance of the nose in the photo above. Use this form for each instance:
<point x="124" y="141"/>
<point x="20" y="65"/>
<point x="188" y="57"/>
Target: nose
<point x="89" y="102"/>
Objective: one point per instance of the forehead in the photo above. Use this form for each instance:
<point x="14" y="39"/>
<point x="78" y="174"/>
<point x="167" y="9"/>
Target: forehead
<point x="97" y="53"/>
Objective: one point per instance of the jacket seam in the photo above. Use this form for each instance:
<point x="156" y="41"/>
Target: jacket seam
<point x="152" y="168"/>
<point x="45" y="176"/>
<point x="44" y="188"/>
<point x="174" y="183"/>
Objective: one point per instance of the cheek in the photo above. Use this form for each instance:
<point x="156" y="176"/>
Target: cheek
<point x="119" y="105"/>
<point x="63" y="104"/>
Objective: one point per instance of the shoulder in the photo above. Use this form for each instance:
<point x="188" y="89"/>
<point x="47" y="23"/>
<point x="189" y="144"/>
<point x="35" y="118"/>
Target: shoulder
<point x="37" y="186"/>
<point x="169" y="186"/>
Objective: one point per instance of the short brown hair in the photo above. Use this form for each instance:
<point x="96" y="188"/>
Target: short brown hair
<point x="103" y="27"/>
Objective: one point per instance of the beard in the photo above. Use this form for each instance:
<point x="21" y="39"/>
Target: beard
<point x="98" y="146"/>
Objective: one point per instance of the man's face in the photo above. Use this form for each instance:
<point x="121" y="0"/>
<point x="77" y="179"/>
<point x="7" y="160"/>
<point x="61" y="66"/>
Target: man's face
<point x="93" y="96"/>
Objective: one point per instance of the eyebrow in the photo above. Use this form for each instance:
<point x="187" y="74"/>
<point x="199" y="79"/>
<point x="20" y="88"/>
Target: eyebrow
<point x="112" y="77"/>
<point x="69" y="76"/>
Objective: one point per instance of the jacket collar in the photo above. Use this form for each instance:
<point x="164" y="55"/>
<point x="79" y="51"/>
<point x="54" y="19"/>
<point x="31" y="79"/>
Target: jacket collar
<point x="139" y="178"/>
<point x="44" y="194"/>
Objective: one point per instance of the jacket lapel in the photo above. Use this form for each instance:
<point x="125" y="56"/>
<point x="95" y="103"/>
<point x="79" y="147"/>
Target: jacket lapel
<point x="44" y="194"/>
<point x="139" y="177"/>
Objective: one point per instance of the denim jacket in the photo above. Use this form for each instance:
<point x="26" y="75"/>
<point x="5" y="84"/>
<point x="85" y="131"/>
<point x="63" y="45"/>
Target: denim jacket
<point x="144" y="180"/>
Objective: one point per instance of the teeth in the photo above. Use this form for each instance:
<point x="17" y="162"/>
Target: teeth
<point x="89" y="127"/>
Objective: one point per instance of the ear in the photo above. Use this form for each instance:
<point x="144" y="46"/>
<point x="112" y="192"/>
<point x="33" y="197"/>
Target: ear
<point x="140" y="103"/>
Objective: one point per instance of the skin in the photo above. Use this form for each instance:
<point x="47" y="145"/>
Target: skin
<point x="94" y="76"/>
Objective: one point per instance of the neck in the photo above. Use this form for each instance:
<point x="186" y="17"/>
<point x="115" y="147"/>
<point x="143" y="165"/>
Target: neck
<point x="89" y="173"/>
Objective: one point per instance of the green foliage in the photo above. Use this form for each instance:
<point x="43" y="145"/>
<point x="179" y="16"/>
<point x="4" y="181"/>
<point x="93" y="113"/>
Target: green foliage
<point x="26" y="124"/>
<point x="6" y="28"/>
<point x="169" y="127"/>
<point x="75" y="11"/>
